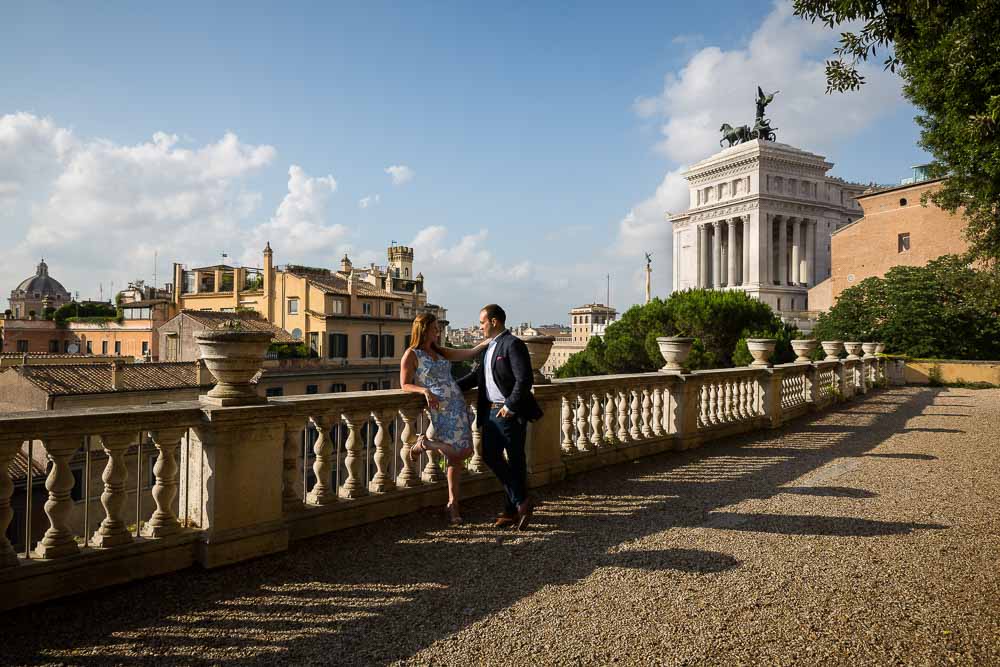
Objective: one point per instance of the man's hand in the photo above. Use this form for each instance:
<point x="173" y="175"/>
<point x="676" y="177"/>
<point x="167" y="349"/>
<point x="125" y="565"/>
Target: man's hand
<point x="505" y="413"/>
<point x="432" y="400"/>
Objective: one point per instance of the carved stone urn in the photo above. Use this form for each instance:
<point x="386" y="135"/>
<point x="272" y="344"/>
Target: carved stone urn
<point x="675" y="351"/>
<point x="539" y="348"/>
<point x="833" y="348"/>
<point x="853" y="350"/>
<point x="233" y="356"/>
<point x="761" y="349"/>
<point x="869" y="349"/>
<point x="879" y="348"/>
<point x="803" y="349"/>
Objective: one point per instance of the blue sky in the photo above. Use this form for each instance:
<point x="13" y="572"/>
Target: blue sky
<point x="542" y="143"/>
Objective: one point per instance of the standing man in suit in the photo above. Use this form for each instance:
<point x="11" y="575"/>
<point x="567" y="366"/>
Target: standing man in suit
<point x="505" y="406"/>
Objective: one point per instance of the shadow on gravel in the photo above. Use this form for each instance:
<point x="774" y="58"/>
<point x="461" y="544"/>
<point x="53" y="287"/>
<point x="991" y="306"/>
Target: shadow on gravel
<point x="385" y="591"/>
<point x="829" y="491"/>
<point x="921" y="429"/>
<point x="912" y="457"/>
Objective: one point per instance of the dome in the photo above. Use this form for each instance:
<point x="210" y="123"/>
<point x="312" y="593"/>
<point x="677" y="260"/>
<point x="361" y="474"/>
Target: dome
<point x="42" y="284"/>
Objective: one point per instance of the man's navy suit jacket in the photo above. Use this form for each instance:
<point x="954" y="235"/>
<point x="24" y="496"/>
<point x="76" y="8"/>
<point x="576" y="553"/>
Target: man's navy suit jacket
<point x="512" y="373"/>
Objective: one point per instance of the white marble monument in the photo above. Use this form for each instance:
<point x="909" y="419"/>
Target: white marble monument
<point x="760" y="220"/>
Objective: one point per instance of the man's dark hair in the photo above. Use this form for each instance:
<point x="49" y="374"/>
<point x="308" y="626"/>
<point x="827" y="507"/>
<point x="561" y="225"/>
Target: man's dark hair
<point x="495" y="312"/>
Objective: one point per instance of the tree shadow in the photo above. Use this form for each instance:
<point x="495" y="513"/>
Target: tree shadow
<point x="911" y="457"/>
<point x="920" y="429"/>
<point x="828" y="491"/>
<point x="411" y="581"/>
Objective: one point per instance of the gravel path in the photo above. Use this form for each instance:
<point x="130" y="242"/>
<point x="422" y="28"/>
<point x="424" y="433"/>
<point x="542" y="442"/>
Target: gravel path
<point x="870" y="535"/>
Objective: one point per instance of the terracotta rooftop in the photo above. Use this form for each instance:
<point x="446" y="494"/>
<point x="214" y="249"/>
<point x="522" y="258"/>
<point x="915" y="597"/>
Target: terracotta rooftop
<point x="18" y="467"/>
<point x="336" y="283"/>
<point x="73" y="379"/>
<point x="250" y="321"/>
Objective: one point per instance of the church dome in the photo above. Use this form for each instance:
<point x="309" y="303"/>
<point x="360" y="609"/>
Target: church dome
<point x="42" y="284"/>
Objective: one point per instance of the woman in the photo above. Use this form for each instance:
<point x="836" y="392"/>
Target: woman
<point x="426" y="369"/>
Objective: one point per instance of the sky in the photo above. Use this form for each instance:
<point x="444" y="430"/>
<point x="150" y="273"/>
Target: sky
<point x="526" y="151"/>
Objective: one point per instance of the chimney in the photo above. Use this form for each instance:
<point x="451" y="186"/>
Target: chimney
<point x="203" y="376"/>
<point x="117" y="375"/>
<point x="350" y="282"/>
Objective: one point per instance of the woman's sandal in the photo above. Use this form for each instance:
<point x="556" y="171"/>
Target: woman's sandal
<point x="419" y="448"/>
<point x="454" y="518"/>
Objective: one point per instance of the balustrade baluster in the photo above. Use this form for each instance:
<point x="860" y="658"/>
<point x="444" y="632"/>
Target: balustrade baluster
<point x="713" y="403"/>
<point x="322" y="492"/>
<point x="354" y="461"/>
<point x="703" y="405"/>
<point x="596" y="422"/>
<point x="635" y="412"/>
<point x="647" y="414"/>
<point x="432" y="470"/>
<point x="382" y="481"/>
<point x="582" y="441"/>
<point x="610" y="418"/>
<point x="568" y="446"/>
<point x="408" y="477"/>
<point x="8" y="450"/>
<point x="623" y="404"/>
<point x="164" y="522"/>
<point x="477" y="463"/>
<point x="727" y="392"/>
<point x="741" y="398"/>
<point x="657" y="411"/>
<point x="58" y="540"/>
<point x="113" y="530"/>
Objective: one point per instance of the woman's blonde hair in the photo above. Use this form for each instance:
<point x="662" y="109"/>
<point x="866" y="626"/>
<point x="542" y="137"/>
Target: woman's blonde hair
<point x="421" y="326"/>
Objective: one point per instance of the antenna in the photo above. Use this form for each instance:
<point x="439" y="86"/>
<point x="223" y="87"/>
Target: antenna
<point x="154" y="269"/>
<point x="609" y="291"/>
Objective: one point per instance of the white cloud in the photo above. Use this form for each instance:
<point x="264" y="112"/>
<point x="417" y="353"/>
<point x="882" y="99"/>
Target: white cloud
<point x="370" y="200"/>
<point x="400" y="174"/>
<point x="718" y="85"/>
<point x="99" y="210"/>
<point x="300" y="224"/>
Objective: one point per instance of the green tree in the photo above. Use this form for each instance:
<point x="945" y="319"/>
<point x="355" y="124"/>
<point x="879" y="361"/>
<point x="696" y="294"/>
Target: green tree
<point x="716" y="319"/>
<point x="87" y="310"/>
<point x="945" y="309"/>
<point x="948" y="54"/>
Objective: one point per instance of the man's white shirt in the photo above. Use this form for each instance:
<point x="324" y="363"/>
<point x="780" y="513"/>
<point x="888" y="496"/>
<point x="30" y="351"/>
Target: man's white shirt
<point x="492" y="390"/>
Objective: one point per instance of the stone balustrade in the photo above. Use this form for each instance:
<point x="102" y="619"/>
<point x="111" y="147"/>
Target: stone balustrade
<point x="236" y="482"/>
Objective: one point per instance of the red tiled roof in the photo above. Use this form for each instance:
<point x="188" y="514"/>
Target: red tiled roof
<point x="250" y="321"/>
<point x="336" y="283"/>
<point x="72" y="379"/>
<point x="18" y="467"/>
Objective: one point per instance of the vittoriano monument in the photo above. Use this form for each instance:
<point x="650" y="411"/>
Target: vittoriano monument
<point x="761" y="128"/>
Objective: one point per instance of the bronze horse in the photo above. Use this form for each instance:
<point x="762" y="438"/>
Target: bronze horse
<point x="735" y="135"/>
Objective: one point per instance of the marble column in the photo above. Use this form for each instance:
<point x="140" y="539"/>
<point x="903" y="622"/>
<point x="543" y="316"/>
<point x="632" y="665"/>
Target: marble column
<point x="810" y="252"/>
<point x="782" y="250"/>
<point x="732" y="280"/>
<point x="703" y="256"/>
<point x="717" y="253"/>
<point x="796" y="254"/>
<point x="765" y="255"/>
<point x="746" y="251"/>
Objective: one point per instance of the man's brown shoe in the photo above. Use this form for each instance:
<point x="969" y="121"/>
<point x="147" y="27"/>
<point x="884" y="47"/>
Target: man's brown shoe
<point x="505" y="520"/>
<point x="524" y="512"/>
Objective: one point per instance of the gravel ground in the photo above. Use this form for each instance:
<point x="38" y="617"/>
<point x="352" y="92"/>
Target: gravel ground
<point x="870" y="535"/>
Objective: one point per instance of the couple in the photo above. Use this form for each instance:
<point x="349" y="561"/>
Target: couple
<point x="505" y="406"/>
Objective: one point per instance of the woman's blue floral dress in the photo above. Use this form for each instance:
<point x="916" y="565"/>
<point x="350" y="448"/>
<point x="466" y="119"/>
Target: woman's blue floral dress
<point x="451" y="419"/>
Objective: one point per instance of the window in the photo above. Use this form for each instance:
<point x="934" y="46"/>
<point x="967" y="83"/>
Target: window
<point x="338" y="346"/>
<point x="779" y="303"/>
<point x="293" y="306"/>
<point x="388" y="345"/>
<point x="388" y="307"/>
<point x="338" y="307"/>
<point x="338" y="387"/>
<point x="104" y="347"/>
<point x="22" y="346"/>
<point x="145" y="347"/>
<point x="902" y="202"/>
<point x="369" y="386"/>
<point x="312" y="388"/>
<point x="53" y="346"/>
<point x="118" y="347"/>
<point x="904" y="242"/>
<point x="407" y="339"/>
<point x="90" y="347"/>
<point x="314" y="342"/>
<point x="275" y="391"/>
<point x="366" y="308"/>
<point x="369" y="346"/>
<point x="387" y="384"/>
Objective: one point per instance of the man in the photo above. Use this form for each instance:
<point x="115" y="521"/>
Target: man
<point x="505" y="406"/>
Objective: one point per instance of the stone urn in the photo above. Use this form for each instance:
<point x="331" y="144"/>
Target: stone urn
<point x="539" y="348"/>
<point x="869" y="349"/>
<point x="675" y="351"/>
<point x="804" y="348"/>
<point x="833" y="348"/>
<point x="233" y="356"/>
<point x="853" y="350"/>
<point x="761" y="349"/>
<point x="879" y="348"/>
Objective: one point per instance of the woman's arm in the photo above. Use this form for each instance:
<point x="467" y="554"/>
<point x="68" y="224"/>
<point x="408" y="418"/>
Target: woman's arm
<point x="456" y="354"/>
<point x="407" y="371"/>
